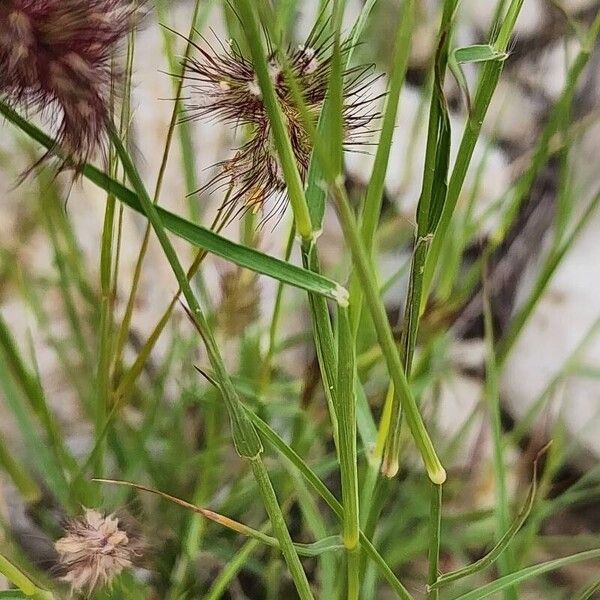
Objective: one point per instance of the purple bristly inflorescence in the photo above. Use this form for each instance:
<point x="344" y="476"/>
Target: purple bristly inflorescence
<point x="223" y="87"/>
<point x="55" y="58"/>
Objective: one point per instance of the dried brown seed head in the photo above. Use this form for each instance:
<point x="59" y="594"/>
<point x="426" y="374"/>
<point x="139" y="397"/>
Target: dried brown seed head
<point x="94" y="550"/>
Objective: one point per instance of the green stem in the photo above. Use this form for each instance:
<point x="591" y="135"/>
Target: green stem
<point x="490" y="75"/>
<point x="435" y="521"/>
<point x="106" y="322"/>
<point x="402" y="391"/>
<point x="368" y="281"/>
<point x="323" y="491"/>
<point x="245" y="437"/>
<point x="506" y="561"/>
<point x="280" y="529"/>
<point x="265" y="374"/>
<point x="374" y="196"/>
<point x="22" y="581"/>
<point x="346" y="413"/>
<point x="295" y="188"/>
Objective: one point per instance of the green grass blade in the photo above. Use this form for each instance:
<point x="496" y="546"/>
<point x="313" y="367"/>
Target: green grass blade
<point x="321" y="489"/>
<point x="40" y="456"/>
<point x="346" y="412"/>
<point x="485" y="561"/>
<point x="374" y="196"/>
<point x="198" y="235"/>
<point x="231" y="569"/>
<point x="29" y="383"/>
<point x="507" y="561"/>
<point x="488" y="81"/>
<point x="528" y="573"/>
<point x="26" y="486"/>
<point x="22" y="581"/>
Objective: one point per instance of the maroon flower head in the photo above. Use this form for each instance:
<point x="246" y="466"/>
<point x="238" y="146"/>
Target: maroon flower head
<point x="55" y="58"/>
<point x="224" y="87"/>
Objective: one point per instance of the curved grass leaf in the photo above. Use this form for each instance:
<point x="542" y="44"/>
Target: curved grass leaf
<point x="589" y="591"/>
<point x="528" y="573"/>
<point x="500" y="547"/>
<point x="328" y="544"/>
<point x="196" y="234"/>
<point x="320" y="488"/>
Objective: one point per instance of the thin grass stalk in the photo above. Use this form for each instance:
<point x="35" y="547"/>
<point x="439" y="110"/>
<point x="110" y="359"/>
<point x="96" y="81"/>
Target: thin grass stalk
<point x="293" y="459"/>
<point x="15" y="576"/>
<point x="366" y="274"/>
<point x="42" y="457"/>
<point x="223" y="580"/>
<point x="295" y="188"/>
<point x="492" y="588"/>
<point x="346" y="412"/>
<point x="311" y="512"/>
<point x="556" y="120"/>
<point x="280" y="529"/>
<point x="365" y="270"/>
<point x="371" y="208"/>
<point x="107" y="292"/>
<point x="245" y="438"/>
<point x="506" y="561"/>
<point x="488" y="80"/>
<point x="323" y="336"/>
<point x="189" y="173"/>
<point x="429" y="208"/>
<point x="265" y="375"/>
<point x="435" y="522"/>
<point x="587" y="593"/>
<point x="103" y="391"/>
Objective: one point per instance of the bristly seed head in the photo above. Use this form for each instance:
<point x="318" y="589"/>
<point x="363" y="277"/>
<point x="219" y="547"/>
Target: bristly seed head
<point x="95" y="549"/>
<point x="55" y="58"/>
<point x="224" y="87"/>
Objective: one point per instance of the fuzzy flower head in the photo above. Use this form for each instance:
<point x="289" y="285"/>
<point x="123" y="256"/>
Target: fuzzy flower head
<point x="95" y="549"/>
<point x="224" y="87"/>
<point x="55" y="58"/>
